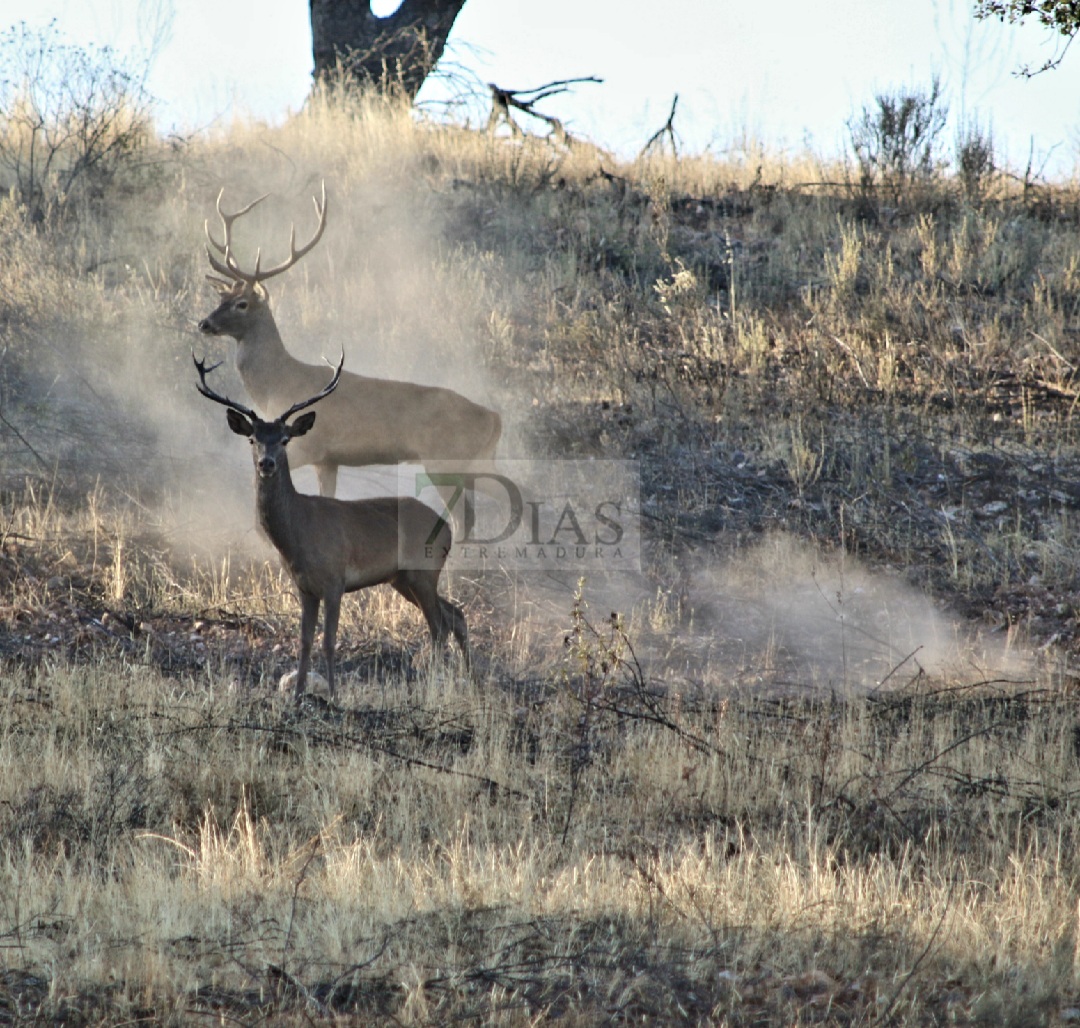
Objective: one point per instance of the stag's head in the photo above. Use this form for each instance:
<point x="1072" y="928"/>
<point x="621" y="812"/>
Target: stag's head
<point x="241" y="306"/>
<point x="268" y="438"/>
<point x="243" y="297"/>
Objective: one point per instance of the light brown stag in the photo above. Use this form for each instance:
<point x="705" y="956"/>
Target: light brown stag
<point x="331" y="547"/>
<point x="366" y="420"/>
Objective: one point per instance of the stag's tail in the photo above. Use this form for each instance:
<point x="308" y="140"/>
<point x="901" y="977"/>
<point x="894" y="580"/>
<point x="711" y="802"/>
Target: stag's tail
<point x="493" y="438"/>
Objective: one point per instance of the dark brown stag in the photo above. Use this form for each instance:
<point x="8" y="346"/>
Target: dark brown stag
<point x="331" y="547"/>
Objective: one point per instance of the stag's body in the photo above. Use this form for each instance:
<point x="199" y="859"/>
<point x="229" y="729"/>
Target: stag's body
<point x="367" y="420"/>
<point x="331" y="547"/>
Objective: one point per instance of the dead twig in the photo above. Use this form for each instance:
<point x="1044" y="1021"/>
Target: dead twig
<point x="667" y="129"/>
<point x="314" y="846"/>
<point x="895" y="998"/>
<point x="22" y="439"/>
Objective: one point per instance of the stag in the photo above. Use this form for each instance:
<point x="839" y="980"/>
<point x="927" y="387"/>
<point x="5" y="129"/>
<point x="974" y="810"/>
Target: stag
<point x="331" y="547"/>
<point x="367" y="420"/>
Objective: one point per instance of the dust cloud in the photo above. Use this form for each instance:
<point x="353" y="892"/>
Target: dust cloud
<point x="386" y="287"/>
<point x="379" y="286"/>
<point x="784" y="615"/>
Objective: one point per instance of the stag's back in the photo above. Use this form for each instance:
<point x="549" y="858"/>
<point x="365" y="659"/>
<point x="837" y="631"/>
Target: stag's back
<point x="384" y="421"/>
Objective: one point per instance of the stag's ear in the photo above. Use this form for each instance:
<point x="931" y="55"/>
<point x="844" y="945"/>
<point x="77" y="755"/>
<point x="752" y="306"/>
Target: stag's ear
<point x="238" y="423"/>
<point x="302" y="425"/>
<point x="223" y="288"/>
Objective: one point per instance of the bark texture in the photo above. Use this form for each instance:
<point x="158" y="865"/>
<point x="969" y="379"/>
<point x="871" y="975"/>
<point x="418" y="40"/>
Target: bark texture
<point x="393" y="53"/>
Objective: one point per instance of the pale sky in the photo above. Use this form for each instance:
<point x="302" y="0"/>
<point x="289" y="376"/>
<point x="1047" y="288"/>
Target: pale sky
<point x="784" y="73"/>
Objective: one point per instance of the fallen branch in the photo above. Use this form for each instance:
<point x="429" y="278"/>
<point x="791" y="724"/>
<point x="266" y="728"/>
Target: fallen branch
<point x="524" y="100"/>
<point x="337" y="739"/>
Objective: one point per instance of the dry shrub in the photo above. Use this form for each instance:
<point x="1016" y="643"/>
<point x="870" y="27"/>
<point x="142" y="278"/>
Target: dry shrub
<point x="71" y="119"/>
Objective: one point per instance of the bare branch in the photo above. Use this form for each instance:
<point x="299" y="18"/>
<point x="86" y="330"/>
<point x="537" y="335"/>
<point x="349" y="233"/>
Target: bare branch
<point x="502" y="100"/>
<point x="668" y="129"/>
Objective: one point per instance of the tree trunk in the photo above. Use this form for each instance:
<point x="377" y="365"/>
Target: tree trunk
<point x="393" y="53"/>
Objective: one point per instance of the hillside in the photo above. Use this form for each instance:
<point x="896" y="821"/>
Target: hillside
<point x="815" y="761"/>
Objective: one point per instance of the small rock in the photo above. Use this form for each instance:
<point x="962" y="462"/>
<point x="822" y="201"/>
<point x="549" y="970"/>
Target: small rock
<point x="315" y="682"/>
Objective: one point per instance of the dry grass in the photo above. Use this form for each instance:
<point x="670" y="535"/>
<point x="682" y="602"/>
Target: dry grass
<point x="821" y="768"/>
<point x="585" y="847"/>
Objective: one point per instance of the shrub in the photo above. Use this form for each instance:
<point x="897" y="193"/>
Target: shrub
<point x="976" y="160"/>
<point x="70" y="118"/>
<point x="896" y="143"/>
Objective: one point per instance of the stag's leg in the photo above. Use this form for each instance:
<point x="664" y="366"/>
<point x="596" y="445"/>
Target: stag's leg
<point x="331" y="611"/>
<point x="455" y="617"/>
<point x="309" y="616"/>
<point x="419" y="589"/>
<point x="327" y="476"/>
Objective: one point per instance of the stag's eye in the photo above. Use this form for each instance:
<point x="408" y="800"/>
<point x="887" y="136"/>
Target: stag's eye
<point x="241" y="305"/>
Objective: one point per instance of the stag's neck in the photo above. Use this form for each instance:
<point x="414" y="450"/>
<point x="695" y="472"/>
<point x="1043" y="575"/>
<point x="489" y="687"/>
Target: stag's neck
<point x="263" y="362"/>
<point x="276" y="500"/>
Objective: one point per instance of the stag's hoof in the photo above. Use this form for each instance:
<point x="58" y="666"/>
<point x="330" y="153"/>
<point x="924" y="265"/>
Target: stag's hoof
<point x="315" y="683"/>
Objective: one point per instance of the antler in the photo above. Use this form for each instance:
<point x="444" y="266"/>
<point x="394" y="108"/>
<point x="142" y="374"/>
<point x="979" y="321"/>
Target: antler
<point x="331" y="386"/>
<point x="209" y="393"/>
<point x="233" y="270"/>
